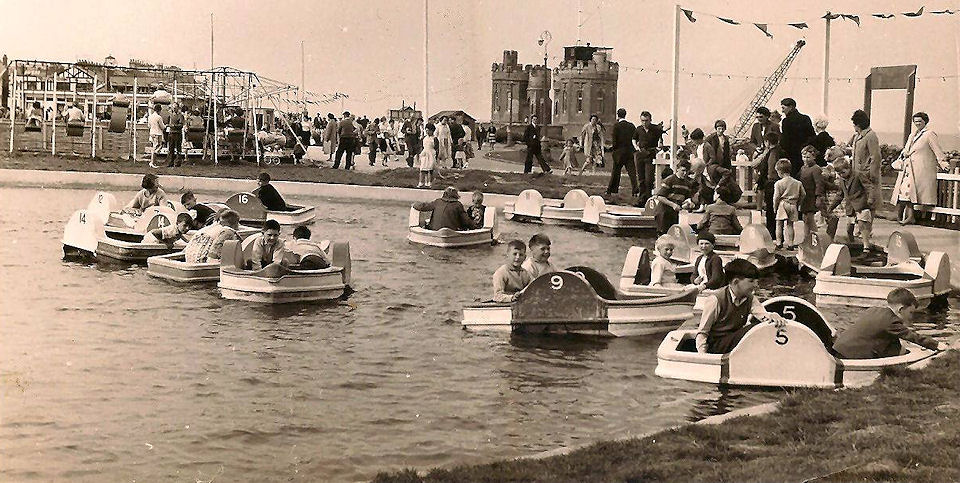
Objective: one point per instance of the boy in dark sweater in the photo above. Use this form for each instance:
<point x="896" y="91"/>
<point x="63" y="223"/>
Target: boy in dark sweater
<point x="878" y="330"/>
<point x="725" y="314"/>
<point x="269" y="195"/>
<point x="674" y="194"/>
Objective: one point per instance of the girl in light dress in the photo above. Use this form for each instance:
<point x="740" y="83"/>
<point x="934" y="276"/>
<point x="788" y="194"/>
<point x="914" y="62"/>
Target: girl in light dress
<point x="428" y="156"/>
<point x="444" y="141"/>
<point x="663" y="272"/>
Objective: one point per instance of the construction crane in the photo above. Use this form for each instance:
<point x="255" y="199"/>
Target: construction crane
<point x="769" y="86"/>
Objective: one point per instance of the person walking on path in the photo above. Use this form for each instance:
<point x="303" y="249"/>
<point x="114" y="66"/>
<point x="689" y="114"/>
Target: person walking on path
<point x="157" y="127"/>
<point x="531" y="136"/>
<point x="918" y="165"/>
<point x="330" y="136"/>
<point x="591" y="140"/>
<point x="797" y="130"/>
<point x="649" y="139"/>
<point x="623" y="132"/>
<point x="445" y="138"/>
<point x="865" y="150"/>
<point x="346" y="141"/>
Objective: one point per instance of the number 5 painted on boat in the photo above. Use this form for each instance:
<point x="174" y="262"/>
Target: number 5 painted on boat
<point x="556" y="282"/>
<point x="781" y="338"/>
<point x="789" y="312"/>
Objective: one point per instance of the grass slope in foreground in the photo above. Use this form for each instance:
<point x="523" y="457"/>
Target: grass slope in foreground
<point x="903" y="428"/>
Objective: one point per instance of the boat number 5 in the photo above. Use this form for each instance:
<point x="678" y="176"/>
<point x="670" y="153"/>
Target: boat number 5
<point x="789" y="313"/>
<point x="781" y="337"/>
<point x="556" y="282"/>
<point x="243" y="199"/>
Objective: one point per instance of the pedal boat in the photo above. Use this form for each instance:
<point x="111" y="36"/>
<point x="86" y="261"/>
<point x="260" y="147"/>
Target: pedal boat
<point x="277" y="284"/>
<point x="754" y="244"/>
<point x="565" y="302"/>
<point x="570" y="211"/>
<point x="840" y="283"/>
<point x="85" y="236"/>
<point x="635" y="279"/>
<point x="746" y="217"/>
<point x="796" y="355"/>
<point x="253" y="212"/>
<point x="174" y="267"/>
<point x="528" y="208"/>
<point x="618" y="220"/>
<point x="901" y="247"/>
<point x="447" y="238"/>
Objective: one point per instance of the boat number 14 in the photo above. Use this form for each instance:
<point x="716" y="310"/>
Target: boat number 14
<point x="789" y="313"/>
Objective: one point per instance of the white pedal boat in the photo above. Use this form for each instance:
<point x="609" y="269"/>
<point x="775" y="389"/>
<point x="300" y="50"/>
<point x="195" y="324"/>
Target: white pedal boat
<point x="840" y="283"/>
<point x="276" y="284"/>
<point x="565" y="303"/>
<point x="173" y="267"/>
<point x="901" y="247"/>
<point x="528" y="208"/>
<point x="618" y="220"/>
<point x="85" y="236"/>
<point x="795" y="355"/>
<point x="635" y="278"/>
<point x="754" y="244"/>
<point x="447" y="238"/>
<point x="570" y="211"/>
<point x="746" y="217"/>
<point x="252" y="211"/>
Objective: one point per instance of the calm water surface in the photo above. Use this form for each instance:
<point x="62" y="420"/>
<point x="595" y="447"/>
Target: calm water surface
<point x="109" y="375"/>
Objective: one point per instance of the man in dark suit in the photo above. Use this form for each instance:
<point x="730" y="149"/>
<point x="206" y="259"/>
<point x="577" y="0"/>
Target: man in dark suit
<point x="623" y="132"/>
<point x="761" y="127"/>
<point x="531" y="136"/>
<point x="720" y="143"/>
<point x="649" y="138"/>
<point x="878" y="330"/>
<point x="767" y="177"/>
<point x="797" y="130"/>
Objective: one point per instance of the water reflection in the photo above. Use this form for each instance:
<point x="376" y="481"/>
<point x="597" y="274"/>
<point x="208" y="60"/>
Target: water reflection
<point x="726" y="399"/>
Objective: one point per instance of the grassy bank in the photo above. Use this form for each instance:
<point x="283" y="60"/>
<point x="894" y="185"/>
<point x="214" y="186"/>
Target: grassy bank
<point x="551" y="186"/>
<point x="902" y="428"/>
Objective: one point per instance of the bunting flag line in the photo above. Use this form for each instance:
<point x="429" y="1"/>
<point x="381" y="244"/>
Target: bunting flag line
<point x="914" y="14"/>
<point x="763" y="28"/>
<point x="689" y="14"/>
<point x="855" y="18"/>
<point x="944" y="12"/>
<point x="728" y="20"/>
<point x="801" y="25"/>
<point x="884" y="15"/>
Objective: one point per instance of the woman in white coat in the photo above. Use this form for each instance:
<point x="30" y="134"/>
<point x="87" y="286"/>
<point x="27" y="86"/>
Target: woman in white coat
<point x="918" y="165"/>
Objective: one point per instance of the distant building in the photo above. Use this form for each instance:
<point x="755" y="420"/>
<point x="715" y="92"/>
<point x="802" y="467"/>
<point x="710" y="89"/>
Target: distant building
<point x="405" y="112"/>
<point x="461" y="117"/>
<point x="584" y="83"/>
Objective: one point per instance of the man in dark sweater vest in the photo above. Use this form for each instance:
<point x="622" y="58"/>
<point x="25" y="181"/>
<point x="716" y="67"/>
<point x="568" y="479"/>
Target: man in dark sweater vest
<point x="878" y="331"/>
<point x="724" y="319"/>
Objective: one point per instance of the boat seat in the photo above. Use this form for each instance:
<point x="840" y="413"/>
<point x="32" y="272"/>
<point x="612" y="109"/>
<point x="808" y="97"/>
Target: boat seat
<point x="683" y="251"/>
<point x="75" y="129"/>
<point x="33" y="126"/>
<point x="597" y="280"/>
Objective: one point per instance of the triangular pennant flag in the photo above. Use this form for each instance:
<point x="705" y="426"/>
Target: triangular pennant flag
<point x="855" y="18"/>
<point x="689" y="14"/>
<point x="944" y="12"/>
<point x="729" y="21"/>
<point x="883" y="15"/>
<point x="801" y="25"/>
<point x="831" y="16"/>
<point x="763" y="28"/>
<point x="914" y="14"/>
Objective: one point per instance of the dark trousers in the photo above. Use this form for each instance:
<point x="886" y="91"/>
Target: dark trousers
<point x="725" y="343"/>
<point x="622" y="158"/>
<point x="346" y="145"/>
<point x="528" y="163"/>
<point x="372" y="153"/>
<point x="665" y="216"/>
<point x="174" y="151"/>
<point x="770" y="211"/>
<point x="413" y="149"/>
<point x="645" y="173"/>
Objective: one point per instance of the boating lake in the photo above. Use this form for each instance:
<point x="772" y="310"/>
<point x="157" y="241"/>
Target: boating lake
<point x="107" y="374"/>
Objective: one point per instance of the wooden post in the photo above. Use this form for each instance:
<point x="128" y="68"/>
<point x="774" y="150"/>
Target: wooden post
<point x="13" y="103"/>
<point x="675" y="97"/>
<point x="826" y="64"/>
<point x="133" y="118"/>
<point x="53" y="128"/>
<point x="93" y="117"/>
<point x="216" y="136"/>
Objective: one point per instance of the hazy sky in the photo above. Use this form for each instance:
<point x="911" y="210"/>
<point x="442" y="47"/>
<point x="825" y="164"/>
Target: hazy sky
<point x="373" y="50"/>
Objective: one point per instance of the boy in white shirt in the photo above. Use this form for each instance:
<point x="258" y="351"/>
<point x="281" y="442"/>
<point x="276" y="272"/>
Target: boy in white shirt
<point x="539" y="261"/>
<point x="157" y="127"/>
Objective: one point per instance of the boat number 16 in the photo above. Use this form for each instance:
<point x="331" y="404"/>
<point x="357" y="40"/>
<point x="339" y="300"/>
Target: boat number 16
<point x="243" y="199"/>
<point x="789" y="314"/>
<point x="556" y="282"/>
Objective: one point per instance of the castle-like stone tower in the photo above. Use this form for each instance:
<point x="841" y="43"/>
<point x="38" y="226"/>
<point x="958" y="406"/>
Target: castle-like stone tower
<point x="585" y="83"/>
<point x="510" y="83"/>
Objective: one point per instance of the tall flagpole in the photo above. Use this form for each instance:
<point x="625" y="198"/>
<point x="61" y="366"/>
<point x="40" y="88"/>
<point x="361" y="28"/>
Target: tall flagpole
<point x="211" y="40"/>
<point x="302" y="76"/>
<point x="676" y="85"/>
<point x="826" y="64"/>
<point x="426" y="60"/>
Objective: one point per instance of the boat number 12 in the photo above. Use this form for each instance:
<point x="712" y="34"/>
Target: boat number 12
<point x="556" y="282"/>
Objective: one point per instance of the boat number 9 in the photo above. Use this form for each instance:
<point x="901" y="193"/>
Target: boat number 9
<point x="243" y="199"/>
<point x="556" y="282"/>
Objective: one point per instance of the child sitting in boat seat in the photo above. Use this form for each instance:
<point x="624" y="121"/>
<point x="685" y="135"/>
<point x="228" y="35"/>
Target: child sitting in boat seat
<point x="725" y="313"/>
<point x="446" y="212"/>
<point x="305" y="253"/>
<point x="171" y="233"/>
<point x="269" y="195"/>
<point x="708" y="269"/>
<point x="538" y="263"/>
<point x="268" y="248"/>
<point x="663" y="272"/>
<point x="511" y="278"/>
<point x="477" y="210"/>
<point x="150" y="195"/>
<point x="720" y="218"/>
<point x="207" y="244"/>
<point x="205" y="214"/>
<point x="878" y="330"/>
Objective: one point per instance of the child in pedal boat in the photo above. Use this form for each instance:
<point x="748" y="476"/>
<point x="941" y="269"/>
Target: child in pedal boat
<point x="511" y="278"/>
<point x="446" y="212"/>
<point x="205" y="214"/>
<point x="267" y="248"/>
<point x="708" y="268"/>
<point x="538" y="263"/>
<point x="207" y="244"/>
<point x="269" y="195"/>
<point x="725" y="313"/>
<point x="477" y="210"/>
<point x="663" y="272"/>
<point x="720" y="218"/>
<point x="304" y="252"/>
<point x="150" y="195"/>
<point x="878" y="330"/>
<point x="171" y="233"/>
